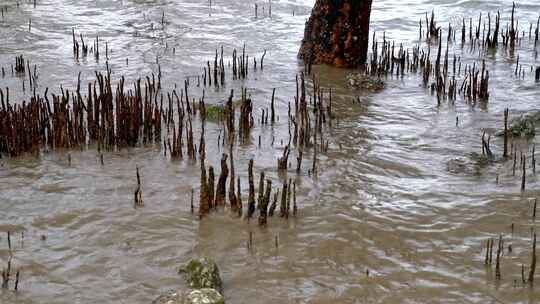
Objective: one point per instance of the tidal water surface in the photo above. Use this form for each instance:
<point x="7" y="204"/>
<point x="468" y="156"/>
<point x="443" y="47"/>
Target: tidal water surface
<point x="399" y="212"/>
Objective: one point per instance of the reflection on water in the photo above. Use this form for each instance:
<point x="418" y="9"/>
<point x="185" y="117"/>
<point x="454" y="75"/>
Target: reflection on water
<point x="400" y="196"/>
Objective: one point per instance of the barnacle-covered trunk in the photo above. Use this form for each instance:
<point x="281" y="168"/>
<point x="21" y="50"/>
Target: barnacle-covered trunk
<point x="337" y="33"/>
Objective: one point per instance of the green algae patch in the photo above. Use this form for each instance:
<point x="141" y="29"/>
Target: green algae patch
<point x="202" y="273"/>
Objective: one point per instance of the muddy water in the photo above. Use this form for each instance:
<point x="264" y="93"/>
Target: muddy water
<point x="386" y="201"/>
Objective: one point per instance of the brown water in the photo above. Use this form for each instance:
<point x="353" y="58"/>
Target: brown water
<point x="385" y="202"/>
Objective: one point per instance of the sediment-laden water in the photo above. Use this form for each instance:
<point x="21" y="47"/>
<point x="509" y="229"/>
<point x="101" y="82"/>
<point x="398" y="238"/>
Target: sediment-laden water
<point x="399" y="213"/>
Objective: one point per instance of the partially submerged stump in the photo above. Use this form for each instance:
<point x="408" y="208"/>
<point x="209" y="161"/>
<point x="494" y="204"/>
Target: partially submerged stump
<point x="337" y="33"/>
<point x="204" y="296"/>
<point x="524" y="126"/>
<point x="361" y="81"/>
<point x="202" y="273"/>
<point x="203" y="276"/>
<point x="197" y="296"/>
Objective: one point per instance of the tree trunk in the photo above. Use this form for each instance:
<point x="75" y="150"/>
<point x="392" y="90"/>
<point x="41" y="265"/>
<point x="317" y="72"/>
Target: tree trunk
<point x="337" y="33"/>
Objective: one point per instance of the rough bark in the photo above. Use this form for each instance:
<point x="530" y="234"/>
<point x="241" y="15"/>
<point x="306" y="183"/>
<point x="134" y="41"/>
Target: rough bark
<point x="337" y="33"/>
